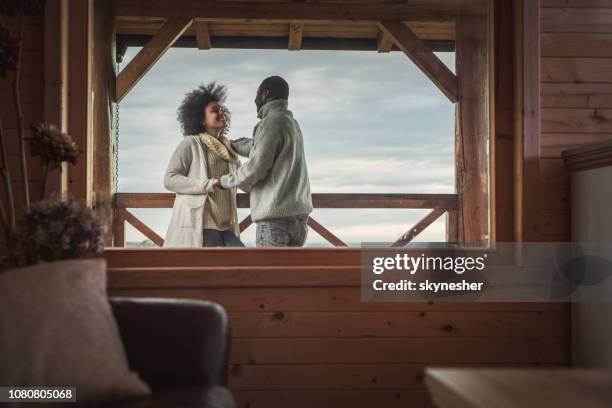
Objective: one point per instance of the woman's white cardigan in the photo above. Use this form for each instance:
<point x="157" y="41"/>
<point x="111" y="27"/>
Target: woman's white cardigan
<point x="187" y="177"/>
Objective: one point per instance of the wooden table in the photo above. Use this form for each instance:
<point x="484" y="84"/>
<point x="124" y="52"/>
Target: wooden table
<point x="524" y="388"/>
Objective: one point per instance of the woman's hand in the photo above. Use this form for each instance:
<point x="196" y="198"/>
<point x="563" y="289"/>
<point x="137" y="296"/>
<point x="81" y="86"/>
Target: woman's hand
<point x="216" y="182"/>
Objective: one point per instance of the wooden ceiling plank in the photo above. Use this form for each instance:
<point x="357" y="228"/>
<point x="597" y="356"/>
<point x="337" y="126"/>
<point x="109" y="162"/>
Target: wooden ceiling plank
<point x="202" y="34"/>
<point x="150" y="54"/>
<point x="339" y="29"/>
<point x="289" y="11"/>
<point x="295" y="36"/>
<point x="422" y="56"/>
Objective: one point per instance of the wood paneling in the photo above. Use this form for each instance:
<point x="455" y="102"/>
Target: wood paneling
<point x="31" y="95"/>
<point x="301" y="333"/>
<point x="459" y="350"/>
<point x="576" y="18"/>
<point x="330" y="376"/>
<point x="397" y="398"/>
<point x="577" y="45"/>
<point x="553" y="171"/>
<point x="576" y="98"/>
<point x="554" y="222"/>
<point x="572" y="95"/>
<point x="576" y="70"/>
<point x="552" y="144"/>
<point x="323" y="299"/>
<point x="396" y="324"/>
<point x="576" y="120"/>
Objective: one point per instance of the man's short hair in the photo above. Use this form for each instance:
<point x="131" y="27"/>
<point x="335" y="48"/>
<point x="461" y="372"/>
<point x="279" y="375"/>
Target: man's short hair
<point x="278" y="87"/>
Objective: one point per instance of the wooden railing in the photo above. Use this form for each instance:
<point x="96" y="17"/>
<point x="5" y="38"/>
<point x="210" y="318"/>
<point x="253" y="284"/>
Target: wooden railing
<point x="439" y="203"/>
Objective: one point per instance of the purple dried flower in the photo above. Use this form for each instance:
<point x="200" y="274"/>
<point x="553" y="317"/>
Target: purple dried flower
<point x="52" y="146"/>
<point x="9" y="51"/>
<point x="56" y="229"/>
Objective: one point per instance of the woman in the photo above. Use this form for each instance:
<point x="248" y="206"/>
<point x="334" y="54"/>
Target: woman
<point x="202" y="215"/>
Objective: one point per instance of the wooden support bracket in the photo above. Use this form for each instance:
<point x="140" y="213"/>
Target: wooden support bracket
<point x="202" y="34"/>
<point x="150" y="54"/>
<point x="325" y="233"/>
<point x="295" y="36"/>
<point x="419" y="227"/>
<point x="407" y="41"/>
<point x="143" y="228"/>
<point x="385" y="43"/>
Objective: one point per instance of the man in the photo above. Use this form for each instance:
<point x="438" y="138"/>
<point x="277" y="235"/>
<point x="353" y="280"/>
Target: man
<point x="276" y="173"/>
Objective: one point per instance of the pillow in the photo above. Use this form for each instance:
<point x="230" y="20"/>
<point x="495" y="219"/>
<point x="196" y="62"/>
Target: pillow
<point x="57" y="329"/>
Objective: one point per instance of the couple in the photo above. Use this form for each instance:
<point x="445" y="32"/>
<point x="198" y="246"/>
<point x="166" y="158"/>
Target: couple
<point x="204" y="172"/>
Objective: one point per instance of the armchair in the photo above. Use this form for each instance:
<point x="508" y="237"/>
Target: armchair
<point x="178" y="347"/>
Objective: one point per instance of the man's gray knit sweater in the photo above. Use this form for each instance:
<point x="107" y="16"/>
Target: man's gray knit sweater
<point x="276" y="173"/>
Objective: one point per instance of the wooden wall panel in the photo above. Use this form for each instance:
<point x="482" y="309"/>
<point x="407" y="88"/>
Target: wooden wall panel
<point x="576" y="97"/>
<point x="31" y="94"/>
<point x="301" y="336"/>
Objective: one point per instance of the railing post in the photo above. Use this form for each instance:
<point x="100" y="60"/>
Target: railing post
<point x="452" y="226"/>
<point x="119" y="227"/>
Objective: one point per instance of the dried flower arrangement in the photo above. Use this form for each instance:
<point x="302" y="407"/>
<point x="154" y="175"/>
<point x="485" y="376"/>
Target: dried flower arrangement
<point x="53" y="147"/>
<point x="52" y="229"/>
<point x="56" y="229"/>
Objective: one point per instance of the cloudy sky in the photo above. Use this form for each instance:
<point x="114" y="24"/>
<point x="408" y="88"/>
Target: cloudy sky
<point x="372" y="123"/>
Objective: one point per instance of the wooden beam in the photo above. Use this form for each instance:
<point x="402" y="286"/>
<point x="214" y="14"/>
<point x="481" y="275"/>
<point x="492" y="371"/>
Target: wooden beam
<point x="150" y="54"/>
<point x="325" y="233"/>
<point x="295" y="36"/>
<point x="119" y="227"/>
<point x="56" y="80"/>
<point x="103" y="87"/>
<point x="419" y="227"/>
<point x="302" y="11"/>
<point x="80" y="96"/>
<point x="527" y="119"/>
<point x="422" y="56"/>
<point x="143" y="228"/>
<point x="472" y="131"/>
<point x="202" y="34"/>
<point x="385" y="43"/>
<point x="452" y="225"/>
<point x="448" y="201"/>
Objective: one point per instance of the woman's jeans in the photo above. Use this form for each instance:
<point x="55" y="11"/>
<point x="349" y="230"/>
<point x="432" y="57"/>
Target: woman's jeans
<point x="215" y="238"/>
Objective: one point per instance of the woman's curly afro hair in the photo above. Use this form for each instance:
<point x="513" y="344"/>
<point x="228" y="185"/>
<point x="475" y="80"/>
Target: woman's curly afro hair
<point x="191" y="110"/>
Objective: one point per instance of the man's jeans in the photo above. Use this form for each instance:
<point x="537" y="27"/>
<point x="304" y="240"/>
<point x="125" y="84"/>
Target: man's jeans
<point x="282" y="232"/>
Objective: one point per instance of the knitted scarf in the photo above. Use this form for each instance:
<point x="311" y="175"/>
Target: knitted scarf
<point x="221" y="146"/>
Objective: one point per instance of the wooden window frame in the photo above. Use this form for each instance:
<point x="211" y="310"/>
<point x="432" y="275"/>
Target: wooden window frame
<point x="476" y="108"/>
